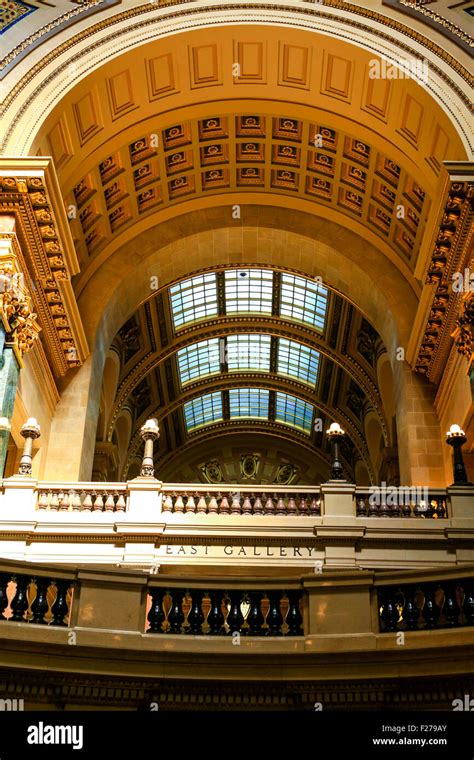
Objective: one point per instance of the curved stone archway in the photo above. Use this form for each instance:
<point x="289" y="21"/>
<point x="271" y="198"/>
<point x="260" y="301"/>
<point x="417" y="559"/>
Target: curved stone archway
<point x="318" y="248"/>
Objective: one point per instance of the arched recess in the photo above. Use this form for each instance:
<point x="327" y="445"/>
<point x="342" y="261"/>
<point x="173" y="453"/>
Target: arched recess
<point x="265" y="234"/>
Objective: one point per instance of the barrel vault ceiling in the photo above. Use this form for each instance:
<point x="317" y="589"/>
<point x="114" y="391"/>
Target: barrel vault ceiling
<point x="240" y="349"/>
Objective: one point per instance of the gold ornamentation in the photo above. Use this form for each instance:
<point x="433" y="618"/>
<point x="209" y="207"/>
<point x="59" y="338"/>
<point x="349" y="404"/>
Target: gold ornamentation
<point x="19" y="321"/>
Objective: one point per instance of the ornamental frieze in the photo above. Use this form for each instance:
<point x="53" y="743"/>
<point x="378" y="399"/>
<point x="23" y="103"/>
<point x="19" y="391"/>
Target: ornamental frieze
<point x="451" y="257"/>
<point x="45" y="254"/>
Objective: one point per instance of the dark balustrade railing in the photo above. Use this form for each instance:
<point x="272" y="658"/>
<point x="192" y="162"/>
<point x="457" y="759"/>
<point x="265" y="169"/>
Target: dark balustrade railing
<point x="413" y="607"/>
<point x="243" y="503"/>
<point x="435" y="506"/>
<point x="221" y="613"/>
<point x="40" y="600"/>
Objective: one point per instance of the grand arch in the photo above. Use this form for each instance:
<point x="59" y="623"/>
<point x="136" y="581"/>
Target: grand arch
<point x="299" y="123"/>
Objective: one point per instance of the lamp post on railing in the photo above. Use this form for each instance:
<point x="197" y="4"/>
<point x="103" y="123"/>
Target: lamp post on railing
<point x="149" y="433"/>
<point x="335" y="435"/>
<point x="456" y="438"/>
<point x="30" y="431"/>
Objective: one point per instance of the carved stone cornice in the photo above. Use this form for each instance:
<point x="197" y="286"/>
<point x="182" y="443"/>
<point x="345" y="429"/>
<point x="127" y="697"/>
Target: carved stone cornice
<point x="29" y="191"/>
<point x="449" y="270"/>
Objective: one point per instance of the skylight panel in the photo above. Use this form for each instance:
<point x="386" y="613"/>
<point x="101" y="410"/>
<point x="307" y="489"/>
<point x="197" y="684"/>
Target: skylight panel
<point x="249" y="402"/>
<point x="193" y="299"/>
<point x="298" y="361"/>
<point x="303" y="300"/>
<point x="248" y="290"/>
<point x="293" y="411"/>
<point x="248" y="352"/>
<point x="203" y="410"/>
<point x="198" y="360"/>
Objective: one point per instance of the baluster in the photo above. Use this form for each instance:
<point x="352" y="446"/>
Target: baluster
<point x="63" y="499"/>
<point x="303" y="506"/>
<point x="294" y="617"/>
<point x="247" y="505"/>
<point x="215" y="618"/>
<point x="76" y="501"/>
<point x="168" y="503"/>
<point x="361" y="510"/>
<point x="235" y="617"/>
<point x="202" y="506"/>
<point x="39" y="607"/>
<point x="255" y="617"/>
<point x="190" y="505"/>
<point x="291" y="506"/>
<point x="421" y="509"/>
<point x="212" y="506"/>
<point x="373" y="506"/>
<point x="406" y="509"/>
<point x="86" y="501"/>
<point x="451" y="609"/>
<point x="389" y="615"/>
<point x="43" y="500"/>
<point x="395" y="510"/>
<point x="269" y="508"/>
<point x="98" y="502"/>
<point x="179" y="504"/>
<point x="315" y="507"/>
<point x="156" y="616"/>
<point x="109" y="502"/>
<point x="19" y="602"/>
<point x="280" y="506"/>
<point x="176" y="615"/>
<point x="54" y="502"/>
<point x="235" y="506"/>
<point x="60" y="607"/>
<point x="384" y="510"/>
<point x="431" y="611"/>
<point x="411" y="613"/>
<point x="258" y="506"/>
<point x="224" y="506"/>
<point x="4" y="581"/>
<point x="120" y="506"/>
<point x="274" y="617"/>
<point x="196" y="615"/>
<point x="468" y="603"/>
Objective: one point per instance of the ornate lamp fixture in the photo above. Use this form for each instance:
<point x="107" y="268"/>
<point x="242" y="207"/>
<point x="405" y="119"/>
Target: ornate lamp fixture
<point x="335" y="435"/>
<point x="456" y="438"/>
<point x="149" y="432"/>
<point x="30" y="431"/>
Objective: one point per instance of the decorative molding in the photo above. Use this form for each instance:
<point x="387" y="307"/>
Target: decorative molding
<point x="451" y="257"/>
<point x="29" y="191"/>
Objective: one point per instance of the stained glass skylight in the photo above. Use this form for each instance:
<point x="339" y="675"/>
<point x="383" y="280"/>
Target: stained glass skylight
<point x="298" y="361"/>
<point x="193" y="299"/>
<point x="198" y="360"/>
<point x="248" y="290"/>
<point x="303" y="300"/>
<point x="203" y="410"/>
<point x="293" y="411"/>
<point x="248" y="352"/>
<point x="249" y="402"/>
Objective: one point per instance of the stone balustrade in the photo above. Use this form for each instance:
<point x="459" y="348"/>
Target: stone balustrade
<point x="83" y="497"/>
<point x="243" y="500"/>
